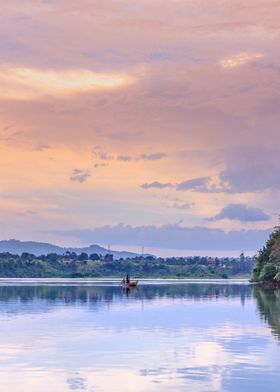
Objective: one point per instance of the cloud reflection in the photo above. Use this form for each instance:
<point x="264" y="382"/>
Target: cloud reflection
<point x="160" y="338"/>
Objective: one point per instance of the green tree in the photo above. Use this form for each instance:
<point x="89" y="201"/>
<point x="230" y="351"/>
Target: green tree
<point x="267" y="268"/>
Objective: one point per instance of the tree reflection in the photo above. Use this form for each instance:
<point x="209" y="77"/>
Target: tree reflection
<point x="96" y="296"/>
<point x="268" y="302"/>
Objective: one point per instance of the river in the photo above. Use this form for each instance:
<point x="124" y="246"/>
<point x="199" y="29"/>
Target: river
<point x="164" y="336"/>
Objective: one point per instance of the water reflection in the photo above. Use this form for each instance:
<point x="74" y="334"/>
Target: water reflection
<point x="197" y="337"/>
<point x="98" y="295"/>
<point x="269" y="307"/>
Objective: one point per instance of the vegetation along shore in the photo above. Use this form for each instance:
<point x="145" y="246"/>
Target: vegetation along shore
<point x="264" y="269"/>
<point x="267" y="269"/>
<point x="73" y="265"/>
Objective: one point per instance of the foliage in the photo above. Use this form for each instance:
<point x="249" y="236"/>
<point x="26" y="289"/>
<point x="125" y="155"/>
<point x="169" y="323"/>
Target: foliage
<point x="73" y="265"/>
<point x="267" y="268"/>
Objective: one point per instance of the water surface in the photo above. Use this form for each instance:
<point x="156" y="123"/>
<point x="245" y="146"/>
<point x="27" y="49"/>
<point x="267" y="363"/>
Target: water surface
<point x="93" y="336"/>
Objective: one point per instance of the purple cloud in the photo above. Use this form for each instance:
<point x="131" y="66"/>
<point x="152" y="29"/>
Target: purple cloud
<point x="242" y="213"/>
<point x="156" y="185"/>
<point x="124" y="158"/>
<point x="175" y="236"/>
<point x="143" y="157"/>
<point x="196" y="184"/>
<point x="152" y="157"/>
<point x="79" y="175"/>
<point x="252" y="170"/>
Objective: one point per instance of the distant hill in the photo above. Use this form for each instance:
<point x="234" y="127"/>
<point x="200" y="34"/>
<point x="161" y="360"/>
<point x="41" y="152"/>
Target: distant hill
<point x="41" y="248"/>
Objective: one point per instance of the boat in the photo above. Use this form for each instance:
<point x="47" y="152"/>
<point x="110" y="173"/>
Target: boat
<point x="130" y="285"/>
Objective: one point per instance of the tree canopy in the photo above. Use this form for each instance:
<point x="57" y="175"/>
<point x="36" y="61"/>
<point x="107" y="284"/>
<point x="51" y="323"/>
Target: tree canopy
<point x="267" y="268"/>
<point x="72" y="265"/>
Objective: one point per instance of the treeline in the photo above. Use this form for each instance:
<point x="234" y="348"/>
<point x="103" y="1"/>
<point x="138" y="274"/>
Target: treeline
<point x="71" y="265"/>
<point x="267" y="269"/>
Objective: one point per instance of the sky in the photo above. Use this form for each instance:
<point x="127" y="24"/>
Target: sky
<point x="140" y="123"/>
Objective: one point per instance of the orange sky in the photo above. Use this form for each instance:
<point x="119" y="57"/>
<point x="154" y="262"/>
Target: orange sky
<point x="142" y="113"/>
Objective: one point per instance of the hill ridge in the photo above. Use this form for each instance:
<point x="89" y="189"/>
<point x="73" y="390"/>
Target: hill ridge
<point x="15" y="246"/>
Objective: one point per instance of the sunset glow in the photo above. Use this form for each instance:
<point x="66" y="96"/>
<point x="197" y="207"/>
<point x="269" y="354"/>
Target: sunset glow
<point x="28" y="83"/>
<point x="158" y="116"/>
<point x="239" y="59"/>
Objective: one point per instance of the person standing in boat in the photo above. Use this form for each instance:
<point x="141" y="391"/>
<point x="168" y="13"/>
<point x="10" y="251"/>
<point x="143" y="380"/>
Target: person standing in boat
<point x="127" y="278"/>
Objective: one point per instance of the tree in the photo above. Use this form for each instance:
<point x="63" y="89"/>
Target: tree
<point x="268" y="272"/>
<point x="108" y="257"/>
<point x="52" y="257"/>
<point x="94" y="257"/>
<point x="83" y="256"/>
<point x="267" y="268"/>
<point x="27" y="256"/>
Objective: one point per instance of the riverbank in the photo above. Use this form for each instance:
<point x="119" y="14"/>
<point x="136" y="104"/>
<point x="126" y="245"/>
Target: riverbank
<point x="84" y="266"/>
<point x="270" y="284"/>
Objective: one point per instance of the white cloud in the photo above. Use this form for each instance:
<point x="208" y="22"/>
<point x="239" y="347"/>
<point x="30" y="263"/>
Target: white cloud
<point x="31" y="83"/>
<point x="239" y="59"/>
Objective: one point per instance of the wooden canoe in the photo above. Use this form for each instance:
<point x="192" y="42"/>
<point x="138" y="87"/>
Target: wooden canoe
<point x="130" y="284"/>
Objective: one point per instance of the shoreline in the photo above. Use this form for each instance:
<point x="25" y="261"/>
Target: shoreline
<point x="116" y="281"/>
<point x="267" y="285"/>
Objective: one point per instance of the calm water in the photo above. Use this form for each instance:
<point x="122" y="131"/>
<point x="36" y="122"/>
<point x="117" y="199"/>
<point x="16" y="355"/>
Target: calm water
<point x="162" y="337"/>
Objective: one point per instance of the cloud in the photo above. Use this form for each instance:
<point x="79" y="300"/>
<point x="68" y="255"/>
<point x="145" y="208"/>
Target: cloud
<point x="171" y="236"/>
<point x="239" y="59"/>
<point x="77" y="383"/>
<point x="176" y="203"/>
<point x="247" y="169"/>
<point x="26" y="213"/>
<point x="31" y="83"/>
<point x="41" y="147"/>
<point x="195" y="184"/>
<point x="194" y="82"/>
<point x="156" y="185"/>
<point x="143" y="157"/>
<point x="124" y="158"/>
<point x="181" y="205"/>
<point x="79" y="175"/>
<point x="201" y="184"/>
<point x="99" y="165"/>
<point x="252" y="169"/>
<point x="101" y="155"/>
<point x="242" y="213"/>
<point x="152" y="157"/>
